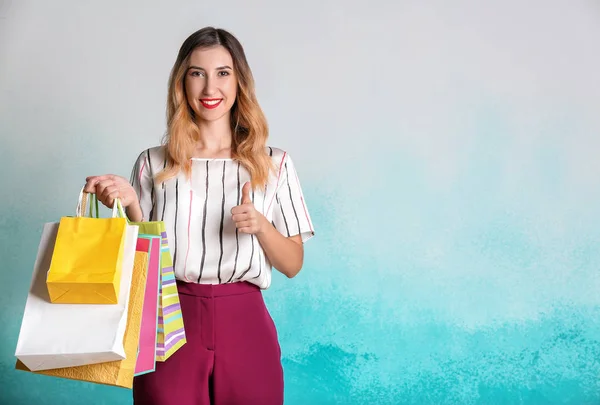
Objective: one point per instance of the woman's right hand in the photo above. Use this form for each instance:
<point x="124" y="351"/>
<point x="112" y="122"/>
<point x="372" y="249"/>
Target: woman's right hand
<point x="108" y="187"/>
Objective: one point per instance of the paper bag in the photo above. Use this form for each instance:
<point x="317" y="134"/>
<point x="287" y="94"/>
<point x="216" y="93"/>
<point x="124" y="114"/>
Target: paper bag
<point x="118" y="373"/>
<point x="146" y="358"/>
<point x="66" y="335"/>
<point x="87" y="259"/>
<point x="171" y="331"/>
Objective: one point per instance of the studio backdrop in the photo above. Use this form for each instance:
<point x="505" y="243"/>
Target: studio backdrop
<point x="449" y="156"/>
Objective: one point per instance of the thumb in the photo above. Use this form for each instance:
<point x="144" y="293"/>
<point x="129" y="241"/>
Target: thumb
<point x="246" y="193"/>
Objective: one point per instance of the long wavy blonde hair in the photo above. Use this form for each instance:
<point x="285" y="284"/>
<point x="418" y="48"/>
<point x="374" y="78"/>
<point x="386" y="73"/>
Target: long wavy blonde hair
<point x="248" y="123"/>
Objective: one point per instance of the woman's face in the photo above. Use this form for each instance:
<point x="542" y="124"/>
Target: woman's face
<point x="211" y="83"/>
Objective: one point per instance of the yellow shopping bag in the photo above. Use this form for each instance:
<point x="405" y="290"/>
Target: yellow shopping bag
<point x="117" y="373"/>
<point x="87" y="258"/>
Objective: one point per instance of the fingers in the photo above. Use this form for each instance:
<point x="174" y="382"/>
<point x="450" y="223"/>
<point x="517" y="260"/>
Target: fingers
<point x="244" y="215"/>
<point x="92" y="181"/>
<point x="246" y="193"/>
<point x="241" y="217"/>
<point x="242" y="209"/>
<point x="109" y="187"/>
<point x="102" y="177"/>
<point x="244" y="219"/>
<point x="105" y="187"/>
<point x="244" y="224"/>
<point x="249" y="226"/>
<point x="108" y="195"/>
<point x="90" y="185"/>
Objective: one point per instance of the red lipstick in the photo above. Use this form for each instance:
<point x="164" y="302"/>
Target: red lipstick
<point x="210" y="103"/>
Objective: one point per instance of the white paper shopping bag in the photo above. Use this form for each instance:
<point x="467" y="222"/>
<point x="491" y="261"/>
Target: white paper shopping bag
<point x="67" y="335"/>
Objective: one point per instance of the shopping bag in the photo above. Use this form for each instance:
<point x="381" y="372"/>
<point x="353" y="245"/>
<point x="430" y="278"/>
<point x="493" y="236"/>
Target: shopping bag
<point x="66" y="335"/>
<point x="146" y="356"/>
<point x="171" y="331"/>
<point x="87" y="258"/>
<point x="121" y="372"/>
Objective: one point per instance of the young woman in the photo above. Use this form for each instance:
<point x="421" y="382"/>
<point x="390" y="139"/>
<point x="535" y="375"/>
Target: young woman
<point x="234" y="209"/>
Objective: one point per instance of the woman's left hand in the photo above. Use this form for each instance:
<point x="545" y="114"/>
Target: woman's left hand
<point x="247" y="219"/>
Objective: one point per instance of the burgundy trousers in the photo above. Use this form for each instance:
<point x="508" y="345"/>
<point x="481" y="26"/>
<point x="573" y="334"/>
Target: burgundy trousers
<point x="232" y="355"/>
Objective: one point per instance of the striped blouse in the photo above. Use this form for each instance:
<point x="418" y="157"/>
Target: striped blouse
<point x="203" y="240"/>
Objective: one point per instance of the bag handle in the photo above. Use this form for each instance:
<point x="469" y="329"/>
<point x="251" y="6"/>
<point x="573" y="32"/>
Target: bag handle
<point x="82" y="203"/>
<point x="118" y="210"/>
<point x="84" y="196"/>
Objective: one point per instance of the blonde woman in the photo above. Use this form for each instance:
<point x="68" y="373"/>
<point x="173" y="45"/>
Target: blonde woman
<point x="234" y="209"/>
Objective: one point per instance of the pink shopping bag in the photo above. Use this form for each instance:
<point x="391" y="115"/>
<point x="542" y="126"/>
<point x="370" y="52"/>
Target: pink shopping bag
<point x="146" y="359"/>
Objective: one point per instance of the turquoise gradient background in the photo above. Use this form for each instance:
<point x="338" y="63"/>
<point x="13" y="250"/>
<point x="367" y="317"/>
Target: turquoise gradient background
<point x="448" y="155"/>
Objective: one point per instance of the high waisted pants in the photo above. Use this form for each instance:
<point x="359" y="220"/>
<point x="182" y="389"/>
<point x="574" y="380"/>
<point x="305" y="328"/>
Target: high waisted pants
<point x="232" y="355"/>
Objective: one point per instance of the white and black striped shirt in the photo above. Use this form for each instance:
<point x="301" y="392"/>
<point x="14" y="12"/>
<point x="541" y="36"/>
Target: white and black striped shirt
<point x="204" y="242"/>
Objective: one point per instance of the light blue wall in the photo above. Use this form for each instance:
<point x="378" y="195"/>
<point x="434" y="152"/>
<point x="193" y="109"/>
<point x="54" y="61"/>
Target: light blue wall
<point x="448" y="155"/>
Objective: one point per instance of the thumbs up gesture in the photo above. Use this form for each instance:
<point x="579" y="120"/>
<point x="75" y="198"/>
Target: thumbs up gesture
<point x="247" y="219"/>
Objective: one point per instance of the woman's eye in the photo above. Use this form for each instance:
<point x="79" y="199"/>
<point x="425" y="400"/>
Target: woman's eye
<point x="223" y="73"/>
<point x="197" y="73"/>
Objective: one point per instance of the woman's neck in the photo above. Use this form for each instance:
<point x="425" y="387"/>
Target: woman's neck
<point x="215" y="139"/>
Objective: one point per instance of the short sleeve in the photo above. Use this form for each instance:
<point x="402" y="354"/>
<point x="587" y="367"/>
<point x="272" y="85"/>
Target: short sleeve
<point x="143" y="184"/>
<point x="290" y="213"/>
